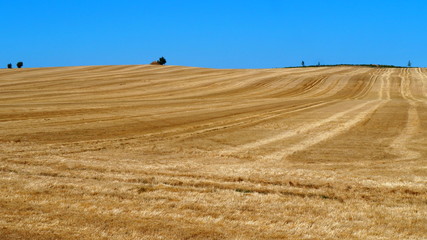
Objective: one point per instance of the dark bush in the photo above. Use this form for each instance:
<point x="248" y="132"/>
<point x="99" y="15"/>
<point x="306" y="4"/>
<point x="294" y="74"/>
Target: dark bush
<point x="9" y="65"/>
<point x="161" y="61"/>
<point x="20" y="64"/>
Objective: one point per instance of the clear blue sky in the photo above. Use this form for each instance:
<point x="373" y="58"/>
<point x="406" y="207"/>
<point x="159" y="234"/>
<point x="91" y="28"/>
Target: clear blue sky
<point x="213" y="33"/>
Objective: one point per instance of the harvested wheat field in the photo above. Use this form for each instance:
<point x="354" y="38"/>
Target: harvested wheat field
<point x="169" y="152"/>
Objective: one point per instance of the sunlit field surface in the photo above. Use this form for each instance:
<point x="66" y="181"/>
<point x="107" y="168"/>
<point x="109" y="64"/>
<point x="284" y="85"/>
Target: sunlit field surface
<point x="168" y="152"/>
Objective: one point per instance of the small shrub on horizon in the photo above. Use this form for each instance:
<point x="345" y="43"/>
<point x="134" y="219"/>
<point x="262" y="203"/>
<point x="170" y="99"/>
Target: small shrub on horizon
<point x="161" y="61"/>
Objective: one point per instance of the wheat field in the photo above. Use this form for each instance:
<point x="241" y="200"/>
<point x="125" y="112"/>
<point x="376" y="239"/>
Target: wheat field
<point x="171" y="152"/>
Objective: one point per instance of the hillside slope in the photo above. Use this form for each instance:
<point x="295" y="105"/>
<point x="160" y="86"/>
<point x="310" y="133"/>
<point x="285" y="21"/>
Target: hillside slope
<point x="144" y="152"/>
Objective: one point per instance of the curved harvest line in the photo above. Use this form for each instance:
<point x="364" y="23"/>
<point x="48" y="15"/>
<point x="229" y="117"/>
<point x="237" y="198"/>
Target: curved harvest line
<point x="317" y="137"/>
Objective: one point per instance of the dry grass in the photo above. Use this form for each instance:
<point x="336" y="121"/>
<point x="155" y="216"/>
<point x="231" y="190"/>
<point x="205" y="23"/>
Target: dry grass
<point x="166" y="152"/>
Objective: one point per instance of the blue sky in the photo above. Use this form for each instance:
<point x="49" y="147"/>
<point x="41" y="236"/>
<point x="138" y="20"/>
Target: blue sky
<point x="213" y="33"/>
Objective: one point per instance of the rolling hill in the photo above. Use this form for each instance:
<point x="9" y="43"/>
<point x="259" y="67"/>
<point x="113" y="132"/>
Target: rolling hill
<point x="171" y="152"/>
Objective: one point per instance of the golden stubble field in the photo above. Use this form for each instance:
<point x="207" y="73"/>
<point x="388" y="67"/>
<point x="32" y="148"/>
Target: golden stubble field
<point x="168" y="152"/>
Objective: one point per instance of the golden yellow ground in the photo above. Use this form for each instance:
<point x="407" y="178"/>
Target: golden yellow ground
<point x="167" y="152"/>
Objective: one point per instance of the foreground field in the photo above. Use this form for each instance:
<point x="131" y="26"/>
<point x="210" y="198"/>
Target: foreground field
<point x="166" y="152"/>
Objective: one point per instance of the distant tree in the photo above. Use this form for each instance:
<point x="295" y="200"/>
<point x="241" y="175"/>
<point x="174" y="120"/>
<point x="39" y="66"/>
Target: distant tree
<point x="20" y="64"/>
<point x="9" y="65"/>
<point x="318" y="63"/>
<point x="303" y="63"/>
<point x="409" y="64"/>
<point x="161" y="61"/>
